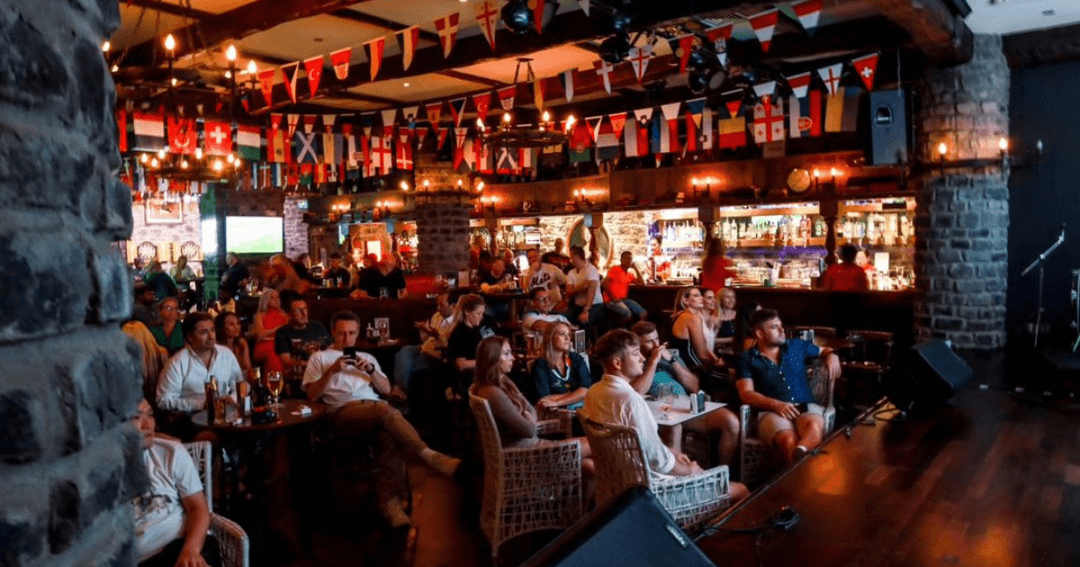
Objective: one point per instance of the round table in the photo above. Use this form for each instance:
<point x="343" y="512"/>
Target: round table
<point x="288" y="416"/>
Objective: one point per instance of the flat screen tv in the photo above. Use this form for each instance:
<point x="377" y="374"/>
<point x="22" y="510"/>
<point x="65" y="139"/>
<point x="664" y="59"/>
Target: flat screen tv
<point x="254" y="235"/>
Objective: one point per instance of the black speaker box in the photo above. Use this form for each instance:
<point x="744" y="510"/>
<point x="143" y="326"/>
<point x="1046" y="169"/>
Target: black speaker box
<point x="931" y="375"/>
<point x="888" y="128"/>
<point x="632" y="531"/>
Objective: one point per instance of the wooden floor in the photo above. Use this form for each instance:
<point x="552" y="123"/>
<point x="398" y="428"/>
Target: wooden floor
<point x="991" y="480"/>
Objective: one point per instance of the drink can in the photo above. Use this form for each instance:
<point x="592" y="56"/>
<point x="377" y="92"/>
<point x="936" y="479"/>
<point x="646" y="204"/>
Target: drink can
<point x="694" y="407"/>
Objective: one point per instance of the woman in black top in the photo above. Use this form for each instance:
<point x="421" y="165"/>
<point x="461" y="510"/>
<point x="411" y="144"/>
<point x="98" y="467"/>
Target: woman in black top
<point x="471" y="328"/>
<point x="725" y="333"/>
<point x="560" y="375"/>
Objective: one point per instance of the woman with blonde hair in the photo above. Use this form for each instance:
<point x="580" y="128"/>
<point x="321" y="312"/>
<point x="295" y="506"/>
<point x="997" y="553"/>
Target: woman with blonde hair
<point x="689" y="333"/>
<point x="561" y="376"/>
<point x="268" y="319"/>
<point x="154" y="356"/>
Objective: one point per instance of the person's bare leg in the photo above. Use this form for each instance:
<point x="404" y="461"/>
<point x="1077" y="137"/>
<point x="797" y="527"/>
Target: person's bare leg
<point x="724" y="422"/>
<point x="811" y="428"/>
<point x="738" y="492"/>
<point x="785" y="442"/>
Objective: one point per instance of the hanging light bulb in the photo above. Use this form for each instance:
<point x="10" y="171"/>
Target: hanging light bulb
<point x="183" y="164"/>
<point x="252" y="68"/>
<point x="941" y="149"/>
<point x="427" y="183"/>
<point x="106" y="46"/>
<point x="115" y="68"/>
<point x="237" y="163"/>
<point x="570" y="122"/>
<point x="480" y="124"/>
<point x="547" y="116"/>
<point x="230" y="53"/>
<point x="153" y="162"/>
<point x="173" y="81"/>
<point x="404" y="185"/>
<point x="161" y="153"/>
<point x="170" y="43"/>
<point x="228" y="74"/>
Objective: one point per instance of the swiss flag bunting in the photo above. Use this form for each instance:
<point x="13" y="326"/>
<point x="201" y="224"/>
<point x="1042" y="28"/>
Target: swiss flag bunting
<point x="218" y="138"/>
<point x="448" y="28"/>
<point x="340" y="60"/>
<point x="313" y="68"/>
<point x="289" y="72"/>
<point x="866" y="67"/>
<point x="764" y="23"/>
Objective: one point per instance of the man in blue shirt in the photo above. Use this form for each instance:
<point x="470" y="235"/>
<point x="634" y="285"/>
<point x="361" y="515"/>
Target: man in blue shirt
<point x="772" y="379"/>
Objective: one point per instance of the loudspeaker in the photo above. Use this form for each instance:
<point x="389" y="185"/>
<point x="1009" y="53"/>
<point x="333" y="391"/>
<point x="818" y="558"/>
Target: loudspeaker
<point x="888" y="127"/>
<point x="930" y="376"/>
<point x="632" y="531"/>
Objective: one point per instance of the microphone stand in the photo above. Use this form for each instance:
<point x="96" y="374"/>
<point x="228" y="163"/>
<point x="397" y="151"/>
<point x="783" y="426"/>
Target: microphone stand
<point x="1040" y="262"/>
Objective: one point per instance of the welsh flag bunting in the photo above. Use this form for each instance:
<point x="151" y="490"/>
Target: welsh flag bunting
<point x="218" y="138"/>
<point x="313" y="68"/>
<point x="448" y="28"/>
<point x="488" y="18"/>
<point x="340" y="60"/>
<point x="457" y="110"/>
<point x="639" y="58"/>
<point x="408" y="38"/>
<point x="764" y="23"/>
<point x="866" y="67"/>
<point x="481" y="102"/>
<point x="719" y="37"/>
<point x="831" y="76"/>
<point x="681" y="47"/>
<point x="671" y="115"/>
<point x="506" y="97"/>
<point x="605" y="71"/>
<point x="618" y="122"/>
<point x="289" y="72"/>
<point x="183" y="136"/>
<point x="567" y="78"/>
<point x="375" y="49"/>
<point x="434" y="112"/>
<point x="808" y="12"/>
<point x="266" y="85"/>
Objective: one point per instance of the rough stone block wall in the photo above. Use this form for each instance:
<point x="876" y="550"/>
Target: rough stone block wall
<point x="296" y="230"/>
<point x="442" y="222"/>
<point x="189" y="230"/>
<point x="69" y="463"/>
<point x="629" y="231"/>
<point x="554" y="227"/>
<point x="962" y="215"/>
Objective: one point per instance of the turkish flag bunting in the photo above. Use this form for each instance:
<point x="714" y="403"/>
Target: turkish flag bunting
<point x="183" y="138"/>
<point x="375" y="49"/>
<point x="764" y="23"/>
<point x="448" y="28"/>
<point x="481" y="102"/>
<point x="866" y="67"/>
<point x="289" y="72"/>
<point x="313" y="68"/>
<point x="340" y="60"/>
<point x="266" y="84"/>
<point x="409" y="37"/>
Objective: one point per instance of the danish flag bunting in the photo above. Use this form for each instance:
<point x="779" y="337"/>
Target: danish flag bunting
<point x="506" y="97"/>
<point x="831" y="76"/>
<point x="719" y="37"/>
<point x="313" y="68"/>
<point x="567" y="78"/>
<point x="375" y="49"/>
<point x="808" y="12"/>
<point x="671" y="114"/>
<point x="681" y="47"/>
<point x="434" y="112"/>
<point x="340" y="60"/>
<point x="639" y="58"/>
<point x="866" y="67"/>
<point x="488" y="17"/>
<point x="457" y="110"/>
<point x="448" y="28"/>
<point x="605" y="71"/>
<point x="404" y="149"/>
<point x="266" y="84"/>
<point x="408" y="38"/>
<point x="289" y="72"/>
<point x="481" y="102"/>
<point x="764" y="23"/>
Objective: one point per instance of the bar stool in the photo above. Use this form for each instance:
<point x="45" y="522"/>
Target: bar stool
<point x="871" y="357"/>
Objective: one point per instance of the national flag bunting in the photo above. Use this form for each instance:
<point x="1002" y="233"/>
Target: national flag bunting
<point x="459" y="146"/>
<point x="580" y="149"/>
<point x="808" y="12"/>
<point x="218" y="137"/>
<point x="538" y="15"/>
<point x="328" y="122"/>
<point x="457" y="110"/>
<point x="340" y="60"/>
<point x="404" y="150"/>
<point x="305" y="146"/>
<point x="447" y="27"/>
<point x="481" y="102"/>
<point x="506" y="97"/>
<point x="275" y="140"/>
<point x="249" y="142"/>
<point x="604" y="70"/>
<point x="266" y="85"/>
<point x="719" y="37"/>
<point x="149" y="130"/>
<point x="389" y="119"/>
<point x="618" y="122"/>
<point x="695" y="110"/>
<point x="706" y="134"/>
<point x="183" y="136"/>
<point x="488" y="18"/>
<point x="434" y="112"/>
<point x="732" y="130"/>
<point x="769" y="120"/>
<point x="293" y="120"/>
<point x="309" y="122"/>
<point x="866" y="67"/>
<point x="671" y="116"/>
<point x="289" y="71"/>
<point x="831" y="76"/>
<point x="799" y="84"/>
<point x="766" y="89"/>
<point x="639" y="58"/>
<point x="681" y="47"/>
<point x="410" y="114"/>
<point x="567" y="79"/>
<point x="313" y="67"/>
<point x="764" y="23"/>
<point x="375" y="50"/>
<point x="594" y="126"/>
<point x="607" y="143"/>
<point x="408" y="38"/>
<point x="584" y="5"/>
<point x="121" y="130"/>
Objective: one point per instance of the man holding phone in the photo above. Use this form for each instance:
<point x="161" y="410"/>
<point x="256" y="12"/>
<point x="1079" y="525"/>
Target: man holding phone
<point x="350" y="383"/>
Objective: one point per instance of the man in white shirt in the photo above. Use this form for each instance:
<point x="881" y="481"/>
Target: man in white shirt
<point x="541" y="275"/>
<point x="584" y="299"/>
<point x="172" y="516"/>
<point x="182" y="386"/>
<point x="537" y="319"/>
<point x="350" y="387"/>
<point x="614" y="401"/>
<point x="413" y="358"/>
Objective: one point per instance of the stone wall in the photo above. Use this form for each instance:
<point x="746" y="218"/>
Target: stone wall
<point x="629" y="231"/>
<point x="442" y="222"/>
<point x="69" y="463"/>
<point x="161" y="235"/>
<point x="962" y="215"/>
<point x="296" y="230"/>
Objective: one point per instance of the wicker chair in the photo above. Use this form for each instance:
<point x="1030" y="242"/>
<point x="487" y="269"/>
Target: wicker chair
<point x="232" y="540"/>
<point x="756" y="459"/>
<point x="620" y="464"/>
<point x="528" y="488"/>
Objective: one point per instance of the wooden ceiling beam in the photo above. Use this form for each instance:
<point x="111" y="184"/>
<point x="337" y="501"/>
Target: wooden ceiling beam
<point x="935" y="28"/>
<point x="172" y="9"/>
<point x="455" y="74"/>
<point x="389" y="25"/>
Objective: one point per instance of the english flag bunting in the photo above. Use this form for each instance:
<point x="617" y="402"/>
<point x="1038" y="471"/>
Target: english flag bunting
<point x="764" y="23"/>
<point x="506" y="97"/>
<point x="408" y="38"/>
<point x="639" y="58"/>
<point x="457" y="110"/>
<point x="448" y="28"/>
<point x="831" y="76"/>
<point x="293" y="120"/>
<point x="481" y="102"/>
<point x="681" y="47"/>
<point x="313" y="68"/>
<point x="266" y="85"/>
<point x="488" y="18"/>
<point x="808" y="12"/>
<point x="289" y="72"/>
<point x="866" y="67"/>
<point x="434" y="112"/>
<point x="340" y="60"/>
<point x="218" y="138"/>
<point x="375" y="49"/>
<point x="183" y="137"/>
<point x="719" y="36"/>
<point x="567" y="78"/>
<point x="605" y="71"/>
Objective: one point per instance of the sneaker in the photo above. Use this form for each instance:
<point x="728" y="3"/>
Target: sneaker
<point x="395" y="514"/>
<point x="443" y="464"/>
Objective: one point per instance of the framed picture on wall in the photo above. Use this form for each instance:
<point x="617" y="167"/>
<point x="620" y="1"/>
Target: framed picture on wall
<point x="160" y="211"/>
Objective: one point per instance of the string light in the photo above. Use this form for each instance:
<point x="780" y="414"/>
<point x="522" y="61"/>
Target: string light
<point x="1003" y="144"/>
<point x="198" y="153"/>
<point x="404" y="185"/>
<point x="506" y="117"/>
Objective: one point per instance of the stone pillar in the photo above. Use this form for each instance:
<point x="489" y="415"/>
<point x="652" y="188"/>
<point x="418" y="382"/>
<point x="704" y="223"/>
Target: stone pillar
<point x="442" y="218"/>
<point x="962" y="217"/>
<point x="69" y="463"/>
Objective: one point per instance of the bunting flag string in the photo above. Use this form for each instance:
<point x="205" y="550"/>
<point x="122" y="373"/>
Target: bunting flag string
<point x="831" y="76"/>
<point x="765" y="90"/>
<point x="309" y="122"/>
<point x="764" y="23"/>
<point x="681" y="47"/>
<point x="481" y="102"/>
<point x="340" y="60"/>
<point x="488" y="17"/>
<point x="389" y="119"/>
<point x="719" y="37"/>
<point x="538" y="15"/>
<point x="506" y="97"/>
<point x="313" y="67"/>
<point x="768" y="120"/>
<point x="567" y="78"/>
<point x="732" y="130"/>
<point x="584" y="5"/>
<point x="328" y="122"/>
<point x="866" y="67"/>
<point x="457" y="110"/>
<point x="618" y="123"/>
<point x="375" y="50"/>
<point x="808" y="12"/>
<point x="447" y="27"/>
<point x="293" y="119"/>
<point x="289" y="72"/>
<point x="671" y="115"/>
<point x="605" y="71"/>
<point x="434" y="112"/>
<point x="639" y="58"/>
<point x="410" y="114"/>
<point x="266" y="85"/>
<point x="408" y="38"/>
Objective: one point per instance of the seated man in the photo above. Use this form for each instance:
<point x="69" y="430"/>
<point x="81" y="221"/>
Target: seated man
<point x="350" y="387"/>
<point x="301" y="337"/>
<point x="613" y="400"/>
<point x="182" y="386"/>
<point x="543" y="275"/>
<point x="771" y="377"/>
<point x="537" y="319"/>
<point x="617" y="289"/>
<point x="413" y="358"/>
<point x="336" y="275"/>
<point x="583" y="297"/>
<point x="172" y="516"/>
<point x="663" y="366"/>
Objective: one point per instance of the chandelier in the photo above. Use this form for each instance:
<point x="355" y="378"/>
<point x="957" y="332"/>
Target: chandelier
<point x="197" y="167"/>
<point x="507" y="134"/>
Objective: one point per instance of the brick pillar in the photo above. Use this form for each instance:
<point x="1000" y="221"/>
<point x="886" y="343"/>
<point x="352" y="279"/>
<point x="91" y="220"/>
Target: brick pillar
<point x="962" y="217"/>
<point x="442" y="220"/>
<point x="69" y="463"/>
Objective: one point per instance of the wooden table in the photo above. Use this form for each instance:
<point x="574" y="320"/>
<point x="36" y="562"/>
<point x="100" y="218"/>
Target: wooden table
<point x="679" y="414"/>
<point x="288" y="416"/>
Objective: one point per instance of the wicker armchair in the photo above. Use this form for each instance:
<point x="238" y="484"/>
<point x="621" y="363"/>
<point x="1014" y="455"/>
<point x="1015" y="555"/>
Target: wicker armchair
<point x="528" y="488"/>
<point x="756" y="460"/>
<point x="620" y="464"/>
<point x="232" y="540"/>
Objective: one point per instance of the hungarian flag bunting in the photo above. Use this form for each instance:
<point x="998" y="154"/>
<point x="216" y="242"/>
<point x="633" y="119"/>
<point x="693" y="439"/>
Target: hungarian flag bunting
<point x="183" y="136"/>
<point x="481" y="102"/>
<point x="584" y="4"/>
<point x="306" y="147"/>
<point x="831" y="76"/>
<point x="567" y="78"/>
<point x="769" y="120"/>
<point x="808" y="12"/>
<point x="538" y="94"/>
<point x="340" y="60"/>
<point x="375" y="49"/>
<point x="538" y="15"/>
<point x="766" y="89"/>
<point x="681" y="47"/>
<point x="408" y="38"/>
<point x="594" y="127"/>
<point x="764" y="23"/>
<point x="121" y="130"/>
<point x="289" y="72"/>
<point x="313" y="68"/>
<point x="866" y="67"/>
<point x="218" y="138"/>
<point x="249" y="142"/>
<point x="410" y="115"/>
<point x="457" y="110"/>
<point x="309" y="122"/>
<point x="488" y="18"/>
<point x="266" y="85"/>
<point x="293" y="120"/>
<point x="671" y="115"/>
<point x="618" y="122"/>
<point x="328" y="122"/>
<point x="389" y="119"/>
<point x="434" y="112"/>
<point x="447" y="27"/>
<point x="404" y="149"/>
<point x="605" y="71"/>
<point x="639" y="58"/>
<point x="506" y="97"/>
<point x="149" y="130"/>
<point x="719" y="36"/>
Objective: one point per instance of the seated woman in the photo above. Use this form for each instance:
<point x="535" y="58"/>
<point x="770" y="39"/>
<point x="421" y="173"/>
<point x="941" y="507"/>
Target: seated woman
<point x="472" y="327"/>
<point x="169" y="334"/>
<point x="561" y="376"/>
<point x="268" y="319"/>
<point x="689" y="333"/>
<point x="744" y="336"/>
<point x="227" y="330"/>
<point x="725" y="311"/>
<point x="514" y="415"/>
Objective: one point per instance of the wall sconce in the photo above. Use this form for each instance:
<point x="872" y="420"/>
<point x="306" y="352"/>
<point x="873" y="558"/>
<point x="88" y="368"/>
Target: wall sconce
<point x="405" y="186"/>
<point x="170" y="46"/>
<point x="1003" y="160"/>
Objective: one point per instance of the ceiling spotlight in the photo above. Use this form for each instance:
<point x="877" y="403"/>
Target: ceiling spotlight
<point x="616" y="48"/>
<point x="517" y="16"/>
